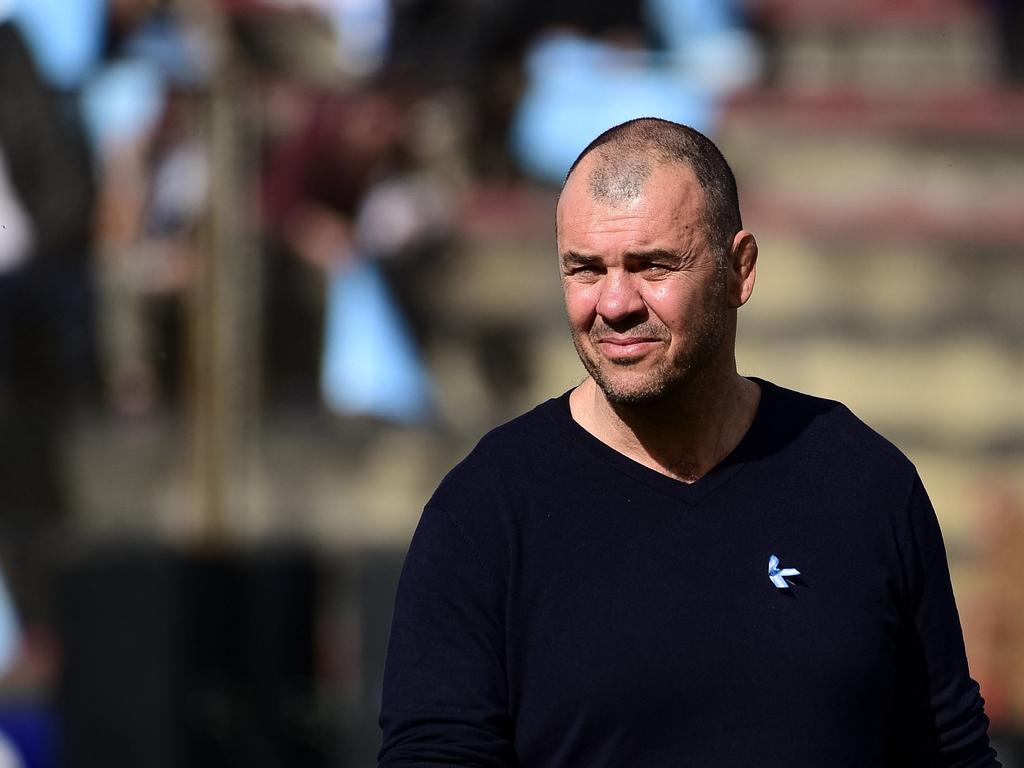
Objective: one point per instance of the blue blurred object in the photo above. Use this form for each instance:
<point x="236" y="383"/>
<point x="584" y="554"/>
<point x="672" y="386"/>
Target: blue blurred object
<point x="9" y="757"/>
<point x="370" y="364"/>
<point x="579" y="88"/>
<point x="66" y="38"/>
<point x="706" y="40"/>
<point x="362" y="29"/>
<point x="123" y="101"/>
<point x="29" y="728"/>
<point x="683" y="22"/>
<point x="181" y="57"/>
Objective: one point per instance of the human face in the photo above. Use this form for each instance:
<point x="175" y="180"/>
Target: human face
<point x="646" y="296"/>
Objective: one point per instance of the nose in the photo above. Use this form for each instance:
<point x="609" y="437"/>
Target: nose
<point x="620" y="297"/>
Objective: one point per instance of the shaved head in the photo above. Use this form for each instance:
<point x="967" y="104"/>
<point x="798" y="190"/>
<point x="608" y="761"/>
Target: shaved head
<point x="625" y="156"/>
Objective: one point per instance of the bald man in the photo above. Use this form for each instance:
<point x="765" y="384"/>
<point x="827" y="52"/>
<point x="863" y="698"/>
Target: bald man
<point x="672" y="564"/>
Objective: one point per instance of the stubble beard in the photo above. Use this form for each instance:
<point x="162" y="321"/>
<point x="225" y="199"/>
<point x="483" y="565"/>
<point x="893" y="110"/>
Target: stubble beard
<point x="702" y="346"/>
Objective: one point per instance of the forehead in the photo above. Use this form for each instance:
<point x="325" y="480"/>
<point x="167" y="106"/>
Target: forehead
<point x="666" y="203"/>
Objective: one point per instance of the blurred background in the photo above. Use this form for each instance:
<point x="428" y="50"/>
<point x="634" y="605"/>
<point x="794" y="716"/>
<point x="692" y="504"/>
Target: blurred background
<point x="269" y="268"/>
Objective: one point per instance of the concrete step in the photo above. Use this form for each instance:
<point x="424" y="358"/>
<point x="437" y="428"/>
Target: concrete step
<point x="880" y="178"/>
<point x="881" y="45"/>
<point x="961" y="114"/>
<point x="860" y="14"/>
<point x="885" y="291"/>
<point x="958" y="394"/>
<point x="891" y="59"/>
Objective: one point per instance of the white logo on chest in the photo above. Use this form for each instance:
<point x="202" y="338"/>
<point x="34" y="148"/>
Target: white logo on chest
<point x="778" y="575"/>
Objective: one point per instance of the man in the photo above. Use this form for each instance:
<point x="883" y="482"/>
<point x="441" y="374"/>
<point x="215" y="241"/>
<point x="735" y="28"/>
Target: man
<point x="673" y="565"/>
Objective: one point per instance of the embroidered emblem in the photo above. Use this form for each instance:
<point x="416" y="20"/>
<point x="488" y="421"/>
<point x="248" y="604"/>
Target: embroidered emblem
<point x="778" y="575"/>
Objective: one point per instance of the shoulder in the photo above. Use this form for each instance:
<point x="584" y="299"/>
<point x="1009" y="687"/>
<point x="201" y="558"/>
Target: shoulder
<point x="485" y="494"/>
<point x="508" y="458"/>
<point x="827" y="435"/>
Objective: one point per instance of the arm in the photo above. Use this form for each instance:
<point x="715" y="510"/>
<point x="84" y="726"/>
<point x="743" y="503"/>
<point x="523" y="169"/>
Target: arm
<point x="939" y="708"/>
<point x="445" y="697"/>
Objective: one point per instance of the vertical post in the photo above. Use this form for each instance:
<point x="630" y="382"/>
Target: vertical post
<point x="224" y="310"/>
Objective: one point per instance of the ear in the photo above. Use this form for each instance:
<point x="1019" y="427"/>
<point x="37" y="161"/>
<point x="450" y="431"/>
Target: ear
<point x="742" y="268"/>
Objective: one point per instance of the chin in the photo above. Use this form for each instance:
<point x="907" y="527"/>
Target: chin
<point x="641" y="384"/>
<point x="632" y="397"/>
<point x="636" y="388"/>
<point x="644" y="380"/>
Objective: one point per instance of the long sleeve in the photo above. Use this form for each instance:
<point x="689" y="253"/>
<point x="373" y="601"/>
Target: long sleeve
<point x="445" y="699"/>
<point x="940" y="712"/>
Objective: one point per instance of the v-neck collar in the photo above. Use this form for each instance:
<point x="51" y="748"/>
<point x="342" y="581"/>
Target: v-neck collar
<point x="691" y="493"/>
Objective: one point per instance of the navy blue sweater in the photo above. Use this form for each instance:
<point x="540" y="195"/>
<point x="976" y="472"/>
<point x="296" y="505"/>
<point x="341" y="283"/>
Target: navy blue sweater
<point x="563" y="605"/>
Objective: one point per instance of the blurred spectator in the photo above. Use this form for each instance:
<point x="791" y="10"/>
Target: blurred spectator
<point x="46" y="190"/>
<point x="319" y="151"/>
<point x="372" y="363"/>
<point x="154" y="197"/>
<point x="676" y="65"/>
<point x="141" y="111"/>
<point x="112" y="63"/>
<point x="66" y="39"/>
<point x="346" y="202"/>
<point x="360" y="29"/>
<point x="444" y="43"/>
<point x="576" y="83"/>
<point x="543" y="76"/>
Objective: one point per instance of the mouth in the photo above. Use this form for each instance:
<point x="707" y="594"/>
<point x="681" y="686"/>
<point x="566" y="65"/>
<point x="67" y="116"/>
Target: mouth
<point x="626" y="348"/>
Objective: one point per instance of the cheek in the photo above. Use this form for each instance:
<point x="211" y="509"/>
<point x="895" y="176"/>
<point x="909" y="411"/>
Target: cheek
<point x="664" y="302"/>
<point x="580" y="305"/>
<point x="680" y="312"/>
<point x="660" y="293"/>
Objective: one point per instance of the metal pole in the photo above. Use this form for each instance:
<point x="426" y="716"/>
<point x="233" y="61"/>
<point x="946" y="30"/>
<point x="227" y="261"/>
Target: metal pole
<point x="224" y="309"/>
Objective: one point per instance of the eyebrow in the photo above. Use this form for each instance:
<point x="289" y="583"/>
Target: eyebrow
<point x="575" y="258"/>
<point x="661" y="254"/>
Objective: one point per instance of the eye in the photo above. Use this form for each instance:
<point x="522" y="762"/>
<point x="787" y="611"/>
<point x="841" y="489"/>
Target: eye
<point x="584" y="270"/>
<point x="654" y="268"/>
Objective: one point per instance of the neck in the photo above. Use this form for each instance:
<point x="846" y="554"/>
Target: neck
<point x="684" y="434"/>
